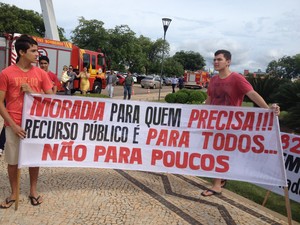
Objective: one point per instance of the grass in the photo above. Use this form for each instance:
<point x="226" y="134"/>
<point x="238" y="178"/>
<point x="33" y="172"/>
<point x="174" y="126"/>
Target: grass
<point x="257" y="194"/>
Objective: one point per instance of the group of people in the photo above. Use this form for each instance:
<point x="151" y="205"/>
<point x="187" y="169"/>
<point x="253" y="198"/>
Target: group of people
<point x="111" y="81"/>
<point x="227" y="88"/>
<point x="177" y="82"/>
<point x="67" y="77"/>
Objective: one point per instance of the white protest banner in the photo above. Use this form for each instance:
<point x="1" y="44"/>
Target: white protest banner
<point x="291" y="152"/>
<point x="227" y="142"/>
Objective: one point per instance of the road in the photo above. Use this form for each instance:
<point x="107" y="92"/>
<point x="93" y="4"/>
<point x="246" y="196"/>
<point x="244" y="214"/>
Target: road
<point x="138" y="90"/>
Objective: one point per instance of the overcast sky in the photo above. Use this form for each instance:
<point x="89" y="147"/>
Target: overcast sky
<point x="255" y="32"/>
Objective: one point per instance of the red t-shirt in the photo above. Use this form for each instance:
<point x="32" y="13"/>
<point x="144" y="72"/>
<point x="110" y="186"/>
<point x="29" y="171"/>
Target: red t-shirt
<point x="11" y="79"/>
<point x="229" y="91"/>
<point x="53" y="78"/>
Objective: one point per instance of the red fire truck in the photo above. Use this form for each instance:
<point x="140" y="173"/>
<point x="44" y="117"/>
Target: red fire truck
<point x="197" y="79"/>
<point x="60" y="53"/>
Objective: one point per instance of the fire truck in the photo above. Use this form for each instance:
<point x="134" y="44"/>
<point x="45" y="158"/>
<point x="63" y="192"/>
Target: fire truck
<point x="60" y="53"/>
<point x="196" y="79"/>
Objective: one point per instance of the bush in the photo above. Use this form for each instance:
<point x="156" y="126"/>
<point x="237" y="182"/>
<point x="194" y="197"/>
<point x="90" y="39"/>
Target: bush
<point x="197" y="96"/>
<point x="186" y="96"/>
<point x="170" y="98"/>
<point x="182" y="97"/>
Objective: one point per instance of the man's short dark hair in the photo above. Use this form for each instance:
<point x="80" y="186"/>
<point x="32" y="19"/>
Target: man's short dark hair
<point x="227" y="54"/>
<point x="23" y="43"/>
<point x="44" y="57"/>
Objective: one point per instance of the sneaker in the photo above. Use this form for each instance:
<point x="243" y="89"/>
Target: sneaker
<point x="1" y="152"/>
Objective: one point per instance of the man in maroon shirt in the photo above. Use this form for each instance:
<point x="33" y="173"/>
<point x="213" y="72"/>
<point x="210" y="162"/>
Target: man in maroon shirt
<point x="229" y="88"/>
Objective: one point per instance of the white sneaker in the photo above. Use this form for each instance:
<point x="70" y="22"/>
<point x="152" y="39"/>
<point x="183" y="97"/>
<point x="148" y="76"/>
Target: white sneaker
<point x="1" y="152"/>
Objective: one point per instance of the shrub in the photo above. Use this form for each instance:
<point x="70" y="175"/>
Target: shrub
<point x="186" y="96"/>
<point x="182" y="97"/>
<point x="170" y="98"/>
<point x="197" y="96"/>
<point x="187" y="91"/>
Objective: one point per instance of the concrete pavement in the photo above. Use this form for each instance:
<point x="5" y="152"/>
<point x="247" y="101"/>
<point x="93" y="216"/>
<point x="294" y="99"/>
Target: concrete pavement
<point x="104" y="196"/>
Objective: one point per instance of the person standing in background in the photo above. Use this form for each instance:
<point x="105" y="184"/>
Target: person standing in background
<point x="174" y="82"/>
<point x="44" y="65"/>
<point x="128" y="84"/>
<point x="84" y="80"/>
<point x="111" y="81"/>
<point x="181" y="82"/>
<point x="72" y="75"/>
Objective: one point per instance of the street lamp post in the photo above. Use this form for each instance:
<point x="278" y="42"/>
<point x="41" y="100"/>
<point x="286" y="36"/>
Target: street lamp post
<point x="166" y="22"/>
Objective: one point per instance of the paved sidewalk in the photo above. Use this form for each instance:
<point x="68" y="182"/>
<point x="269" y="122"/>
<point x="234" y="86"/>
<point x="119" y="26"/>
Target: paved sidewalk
<point x="145" y="97"/>
<point x="103" y="196"/>
<point x="87" y="196"/>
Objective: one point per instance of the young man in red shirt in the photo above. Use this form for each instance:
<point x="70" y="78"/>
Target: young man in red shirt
<point x="229" y="88"/>
<point x="44" y="65"/>
<point x="15" y="81"/>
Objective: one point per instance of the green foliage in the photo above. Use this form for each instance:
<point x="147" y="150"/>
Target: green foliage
<point x="283" y="92"/>
<point x="155" y="55"/>
<point x="285" y="67"/>
<point x="197" y="96"/>
<point x="123" y="48"/>
<point x="182" y="97"/>
<point x="89" y="34"/>
<point x="186" y="96"/>
<point x="170" y="98"/>
<point x="288" y="98"/>
<point x="16" y="20"/>
<point x="190" y="60"/>
<point x="172" y="67"/>
<point x="266" y="86"/>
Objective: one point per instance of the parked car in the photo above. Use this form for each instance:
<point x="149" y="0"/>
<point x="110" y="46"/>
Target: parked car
<point x="167" y="81"/>
<point x="140" y="77"/>
<point x="134" y="78"/>
<point x="151" y="82"/>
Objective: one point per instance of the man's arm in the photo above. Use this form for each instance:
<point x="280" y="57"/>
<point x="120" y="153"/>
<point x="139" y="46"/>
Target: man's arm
<point x="54" y="89"/>
<point x="50" y="91"/>
<point x="255" y="97"/>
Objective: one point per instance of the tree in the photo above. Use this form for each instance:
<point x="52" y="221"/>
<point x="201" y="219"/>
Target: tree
<point x="288" y="98"/>
<point x="90" y="34"/>
<point x="121" y="47"/>
<point x="146" y="46"/>
<point x="155" y="55"/>
<point x="16" y="20"/>
<point x="190" y="60"/>
<point x="266" y="86"/>
<point x="124" y="49"/>
<point x="172" y="67"/>
<point x="285" y="67"/>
